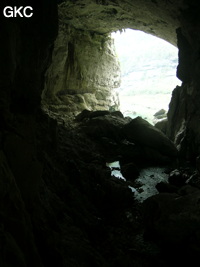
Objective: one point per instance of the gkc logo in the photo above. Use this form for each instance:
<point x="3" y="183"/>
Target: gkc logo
<point x="13" y="12"/>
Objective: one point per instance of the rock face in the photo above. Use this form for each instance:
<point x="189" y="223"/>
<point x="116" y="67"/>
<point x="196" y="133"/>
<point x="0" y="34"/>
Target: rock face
<point x="84" y="71"/>
<point x="155" y="17"/>
<point x="142" y="132"/>
<point x="182" y="127"/>
<point x="23" y="61"/>
<point x="84" y="67"/>
<point x="130" y="140"/>
<point x="16" y="230"/>
<point x="25" y="51"/>
<point x="173" y="221"/>
<point x="162" y="125"/>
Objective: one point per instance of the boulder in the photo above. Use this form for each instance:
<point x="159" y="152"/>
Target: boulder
<point x="162" y="125"/>
<point x="87" y="114"/>
<point x="177" y="178"/>
<point x="172" y="220"/>
<point x="141" y="156"/>
<point x="130" y="171"/>
<point x="103" y="125"/>
<point x="142" y="132"/>
<point x="164" y="187"/>
<point x="161" y="112"/>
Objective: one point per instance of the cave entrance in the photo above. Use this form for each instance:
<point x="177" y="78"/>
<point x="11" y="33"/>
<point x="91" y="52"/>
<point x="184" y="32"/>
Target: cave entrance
<point x="148" y="74"/>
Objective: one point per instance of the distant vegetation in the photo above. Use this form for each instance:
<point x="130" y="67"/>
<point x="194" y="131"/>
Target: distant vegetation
<point x="148" y="66"/>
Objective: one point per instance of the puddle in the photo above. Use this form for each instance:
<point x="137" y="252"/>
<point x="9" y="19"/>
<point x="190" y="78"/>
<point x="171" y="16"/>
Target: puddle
<point x="115" y="169"/>
<point x="148" y="179"/>
<point x="145" y="183"/>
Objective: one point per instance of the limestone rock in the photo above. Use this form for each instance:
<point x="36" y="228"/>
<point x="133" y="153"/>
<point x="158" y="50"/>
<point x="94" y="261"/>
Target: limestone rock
<point x="130" y="171"/>
<point x="164" y="187"/>
<point x="162" y="125"/>
<point x="160" y="113"/>
<point x="108" y="16"/>
<point x="141" y="132"/>
<point x="86" y="114"/>
<point x="22" y="158"/>
<point x="84" y="71"/>
<point x="15" y="228"/>
<point x="103" y="125"/>
<point x="177" y="178"/>
<point x="173" y="221"/>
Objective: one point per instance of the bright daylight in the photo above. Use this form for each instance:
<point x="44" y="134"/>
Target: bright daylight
<point x="148" y="67"/>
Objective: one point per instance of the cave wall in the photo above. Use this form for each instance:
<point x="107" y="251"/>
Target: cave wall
<point x="184" y="109"/>
<point x="156" y="17"/>
<point x="25" y="50"/>
<point x="84" y="58"/>
<point x="178" y="23"/>
<point x="84" y="72"/>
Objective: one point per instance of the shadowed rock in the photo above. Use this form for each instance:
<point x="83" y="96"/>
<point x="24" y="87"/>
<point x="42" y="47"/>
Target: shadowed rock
<point x="142" y="132"/>
<point x="173" y="220"/>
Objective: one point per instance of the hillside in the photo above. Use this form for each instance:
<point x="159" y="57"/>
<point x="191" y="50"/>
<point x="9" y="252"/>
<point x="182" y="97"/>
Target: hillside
<point x="148" y="66"/>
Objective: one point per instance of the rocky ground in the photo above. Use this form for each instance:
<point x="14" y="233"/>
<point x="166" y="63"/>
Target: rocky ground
<point x="95" y="217"/>
<point x="72" y="212"/>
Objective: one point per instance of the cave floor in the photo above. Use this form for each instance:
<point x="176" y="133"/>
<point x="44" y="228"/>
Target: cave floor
<point x="101" y="220"/>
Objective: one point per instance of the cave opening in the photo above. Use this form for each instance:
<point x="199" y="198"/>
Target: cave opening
<point x="148" y="74"/>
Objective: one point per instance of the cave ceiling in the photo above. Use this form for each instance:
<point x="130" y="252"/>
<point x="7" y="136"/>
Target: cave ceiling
<point x="157" y="17"/>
